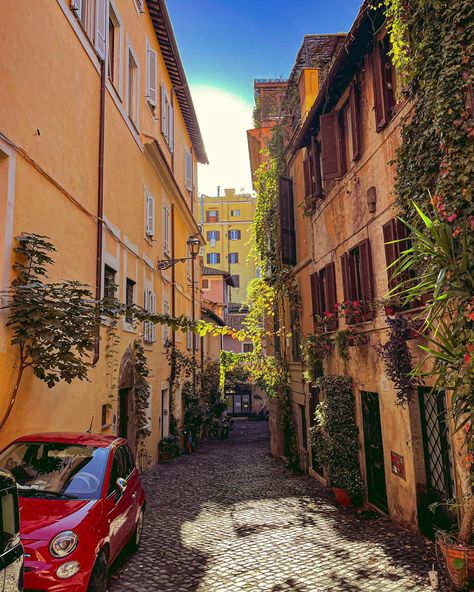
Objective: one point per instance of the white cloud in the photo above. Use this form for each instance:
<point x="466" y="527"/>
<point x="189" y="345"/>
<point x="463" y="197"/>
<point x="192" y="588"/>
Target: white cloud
<point x="224" y="119"/>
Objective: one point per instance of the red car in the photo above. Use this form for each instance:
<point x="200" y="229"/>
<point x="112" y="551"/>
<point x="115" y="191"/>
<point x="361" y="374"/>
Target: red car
<point x="81" y="503"/>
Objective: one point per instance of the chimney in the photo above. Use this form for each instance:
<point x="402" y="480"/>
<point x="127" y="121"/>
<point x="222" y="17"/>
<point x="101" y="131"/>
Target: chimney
<point x="218" y="191"/>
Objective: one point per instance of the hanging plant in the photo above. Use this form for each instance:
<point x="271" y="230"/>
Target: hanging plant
<point x="315" y="349"/>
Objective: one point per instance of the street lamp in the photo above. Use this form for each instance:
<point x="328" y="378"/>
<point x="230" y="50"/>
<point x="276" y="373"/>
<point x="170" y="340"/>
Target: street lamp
<point x="194" y="245"/>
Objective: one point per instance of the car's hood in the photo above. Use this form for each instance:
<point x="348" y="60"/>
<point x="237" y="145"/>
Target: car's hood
<point x="41" y="519"/>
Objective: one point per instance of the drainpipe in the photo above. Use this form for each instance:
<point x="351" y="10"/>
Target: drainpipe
<point x="100" y="199"/>
<point x="173" y="276"/>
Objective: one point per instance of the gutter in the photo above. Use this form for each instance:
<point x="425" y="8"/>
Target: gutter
<point x="100" y="199"/>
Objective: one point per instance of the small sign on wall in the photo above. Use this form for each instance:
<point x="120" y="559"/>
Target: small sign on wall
<point x="398" y="464"/>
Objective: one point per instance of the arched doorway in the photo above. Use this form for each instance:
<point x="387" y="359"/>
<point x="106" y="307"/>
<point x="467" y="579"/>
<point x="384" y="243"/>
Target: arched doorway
<point x="126" y="425"/>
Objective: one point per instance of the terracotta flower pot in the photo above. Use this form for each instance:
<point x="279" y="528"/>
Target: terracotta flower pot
<point x="460" y="563"/>
<point x="342" y="496"/>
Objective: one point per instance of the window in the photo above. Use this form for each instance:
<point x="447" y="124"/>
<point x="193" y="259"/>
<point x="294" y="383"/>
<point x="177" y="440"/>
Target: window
<point x="213" y="258"/>
<point x="166" y="329"/>
<point x="149" y="215"/>
<point x="166" y="229"/>
<point x="109" y="284"/>
<point x="324" y="295"/>
<point x="167" y="118"/>
<point x="258" y="273"/>
<point x="205" y="284"/>
<point x="340" y="137"/>
<point x="132" y="88"/>
<point x="233" y="258"/>
<point x="129" y="299"/>
<point x="236" y="280"/>
<point x="287" y="221"/>
<point x="139" y="5"/>
<point x="235" y="213"/>
<point x="93" y="18"/>
<point x="234" y="234"/>
<point x="213" y="236"/>
<point x="104" y="415"/>
<point x="212" y="216"/>
<point x="358" y="280"/>
<point x="248" y="348"/>
<point x="151" y="75"/>
<point x="383" y="74"/>
<point x="188" y="169"/>
<point x="149" y="329"/>
<point x="295" y="335"/>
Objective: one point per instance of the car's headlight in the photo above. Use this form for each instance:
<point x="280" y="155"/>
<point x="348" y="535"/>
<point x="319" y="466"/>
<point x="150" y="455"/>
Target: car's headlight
<point x="63" y="544"/>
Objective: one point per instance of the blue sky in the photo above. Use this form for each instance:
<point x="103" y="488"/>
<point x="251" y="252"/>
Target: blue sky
<point x="225" y="44"/>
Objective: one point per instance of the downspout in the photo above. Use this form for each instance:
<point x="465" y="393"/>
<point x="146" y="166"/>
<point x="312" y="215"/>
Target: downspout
<point x="100" y="200"/>
<point x="173" y="276"/>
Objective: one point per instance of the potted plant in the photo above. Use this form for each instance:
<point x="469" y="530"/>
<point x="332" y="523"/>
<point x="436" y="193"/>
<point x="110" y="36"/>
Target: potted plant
<point x="442" y="255"/>
<point x="316" y="348"/>
<point x="335" y="438"/>
<point x="342" y="341"/>
<point x="167" y="449"/>
<point x="351" y="311"/>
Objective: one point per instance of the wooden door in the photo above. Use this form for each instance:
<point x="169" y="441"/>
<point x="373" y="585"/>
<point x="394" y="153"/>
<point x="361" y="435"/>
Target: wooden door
<point x="374" y="454"/>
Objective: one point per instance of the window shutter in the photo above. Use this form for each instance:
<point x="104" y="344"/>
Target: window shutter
<point x="378" y="82"/>
<point x="150" y="215"/>
<point x="316" y="156"/>
<point x="76" y="5"/>
<point x="355" y="121"/>
<point x="331" y="145"/>
<point x="171" y="127"/>
<point x="153" y="310"/>
<point x="315" y="300"/>
<point x="287" y="221"/>
<point x="218" y="235"/>
<point x="188" y="163"/>
<point x="164" y="111"/>
<point x="332" y="295"/>
<point x="166" y="216"/>
<point x="145" y="324"/>
<point x="151" y="76"/>
<point x="367" y="280"/>
<point x="345" y="276"/>
<point x="391" y="250"/>
<point x="101" y="28"/>
<point x="308" y="189"/>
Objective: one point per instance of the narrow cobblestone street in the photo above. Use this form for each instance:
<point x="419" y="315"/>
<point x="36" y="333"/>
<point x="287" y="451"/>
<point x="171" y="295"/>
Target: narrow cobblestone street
<point x="232" y="519"/>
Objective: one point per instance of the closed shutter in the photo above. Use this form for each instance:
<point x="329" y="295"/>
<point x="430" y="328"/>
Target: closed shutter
<point x="171" y="127"/>
<point x="287" y="222"/>
<point x="331" y="145"/>
<point x="367" y="280"/>
<point x="151" y="71"/>
<point x="188" y="163"/>
<point x="391" y="251"/>
<point x="316" y="156"/>
<point x="346" y="284"/>
<point x="332" y="296"/>
<point x="76" y="6"/>
<point x="101" y="28"/>
<point x="355" y="122"/>
<point x="164" y="111"/>
<point x="150" y="215"/>
<point x="308" y="189"/>
<point x="166" y="229"/>
<point x="315" y="300"/>
<point x="381" y="116"/>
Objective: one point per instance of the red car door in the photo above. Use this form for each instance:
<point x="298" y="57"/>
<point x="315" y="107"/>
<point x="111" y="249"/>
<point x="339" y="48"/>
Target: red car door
<point x="120" y="514"/>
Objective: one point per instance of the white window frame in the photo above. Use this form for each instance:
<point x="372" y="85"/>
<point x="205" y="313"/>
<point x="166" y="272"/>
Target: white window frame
<point x="164" y="112"/>
<point x="150" y="215"/>
<point x="151" y="67"/>
<point x="136" y="113"/>
<point x="231" y="237"/>
<point x="139" y="6"/>
<point x="235" y="213"/>
<point x="211" y="255"/>
<point x="115" y="16"/>
<point x="149" y="328"/>
<point x="101" y="28"/>
<point x="166" y="229"/>
<point x="188" y="169"/>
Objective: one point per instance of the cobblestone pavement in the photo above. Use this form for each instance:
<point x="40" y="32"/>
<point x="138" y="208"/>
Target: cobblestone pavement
<point x="232" y="519"/>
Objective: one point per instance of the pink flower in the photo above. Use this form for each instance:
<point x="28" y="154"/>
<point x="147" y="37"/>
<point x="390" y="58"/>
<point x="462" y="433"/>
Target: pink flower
<point x="328" y="314"/>
<point x="457" y="231"/>
<point x="452" y="217"/>
<point x="467" y="359"/>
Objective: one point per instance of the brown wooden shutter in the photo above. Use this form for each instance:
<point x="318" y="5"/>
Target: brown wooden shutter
<point x="331" y="145"/>
<point x="315" y="301"/>
<point x="367" y="280"/>
<point x="287" y="222"/>
<point x="308" y="184"/>
<point x="355" y="121"/>
<point x="391" y="250"/>
<point x="316" y="156"/>
<point x="381" y="115"/>
<point x="218" y="235"/>
<point x="332" y="296"/>
<point x="345" y="275"/>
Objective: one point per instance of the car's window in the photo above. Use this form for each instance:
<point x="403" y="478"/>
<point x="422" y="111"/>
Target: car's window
<point x="52" y="469"/>
<point x="119" y="468"/>
<point x="130" y="460"/>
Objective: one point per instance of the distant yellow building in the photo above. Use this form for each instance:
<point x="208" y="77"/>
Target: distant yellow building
<point x="99" y="147"/>
<point x="226" y="221"/>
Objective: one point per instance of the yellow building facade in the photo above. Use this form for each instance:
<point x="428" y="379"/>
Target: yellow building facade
<point x="99" y="145"/>
<point x="226" y="222"/>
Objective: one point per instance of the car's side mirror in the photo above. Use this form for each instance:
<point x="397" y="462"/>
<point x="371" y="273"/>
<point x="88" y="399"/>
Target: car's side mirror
<point x="121" y="485"/>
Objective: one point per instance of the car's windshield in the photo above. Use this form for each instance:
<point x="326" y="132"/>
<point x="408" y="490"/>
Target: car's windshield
<point x="55" y="470"/>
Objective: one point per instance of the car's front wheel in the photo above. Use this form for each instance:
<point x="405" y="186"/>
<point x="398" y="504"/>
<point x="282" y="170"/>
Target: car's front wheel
<point x="99" y="575"/>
